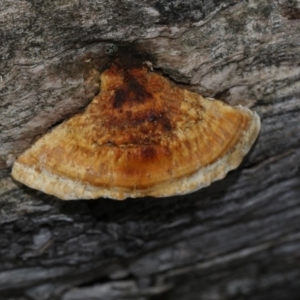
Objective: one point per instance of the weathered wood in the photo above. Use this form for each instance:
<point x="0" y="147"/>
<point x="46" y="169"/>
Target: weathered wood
<point x="238" y="238"/>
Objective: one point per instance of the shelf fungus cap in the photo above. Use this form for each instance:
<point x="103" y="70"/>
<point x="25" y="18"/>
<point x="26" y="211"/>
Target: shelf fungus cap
<point x="140" y="136"/>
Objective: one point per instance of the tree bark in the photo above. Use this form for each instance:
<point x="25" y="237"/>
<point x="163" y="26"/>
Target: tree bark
<point x="238" y="238"/>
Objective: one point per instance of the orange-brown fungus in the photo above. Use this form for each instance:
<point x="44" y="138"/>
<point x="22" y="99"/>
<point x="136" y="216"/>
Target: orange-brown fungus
<point x="141" y="136"/>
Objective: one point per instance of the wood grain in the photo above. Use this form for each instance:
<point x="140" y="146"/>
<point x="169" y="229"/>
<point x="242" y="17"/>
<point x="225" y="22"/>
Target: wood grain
<point x="237" y="239"/>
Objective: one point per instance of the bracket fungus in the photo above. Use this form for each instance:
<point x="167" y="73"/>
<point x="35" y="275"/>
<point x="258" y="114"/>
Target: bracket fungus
<point x="140" y="136"/>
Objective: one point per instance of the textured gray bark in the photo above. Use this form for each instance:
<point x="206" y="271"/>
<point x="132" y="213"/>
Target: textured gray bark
<point x="238" y="238"/>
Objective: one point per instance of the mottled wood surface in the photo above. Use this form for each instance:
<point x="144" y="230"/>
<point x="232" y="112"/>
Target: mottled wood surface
<point x="238" y="238"/>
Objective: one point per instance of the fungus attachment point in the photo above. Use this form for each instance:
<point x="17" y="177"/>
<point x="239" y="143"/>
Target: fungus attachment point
<point x="141" y="136"/>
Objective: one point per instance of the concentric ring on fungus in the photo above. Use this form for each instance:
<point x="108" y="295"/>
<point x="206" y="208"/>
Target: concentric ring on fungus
<point x="140" y="136"/>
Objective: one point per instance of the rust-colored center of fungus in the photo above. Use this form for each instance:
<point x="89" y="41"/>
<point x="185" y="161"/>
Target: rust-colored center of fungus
<point x="133" y="109"/>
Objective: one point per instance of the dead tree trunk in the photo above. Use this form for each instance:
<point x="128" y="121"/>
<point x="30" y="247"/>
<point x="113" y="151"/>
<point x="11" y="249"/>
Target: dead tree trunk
<point x="238" y="238"/>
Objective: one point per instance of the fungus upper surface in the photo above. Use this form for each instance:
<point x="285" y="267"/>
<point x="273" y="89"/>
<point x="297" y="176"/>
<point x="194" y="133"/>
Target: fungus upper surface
<point x="141" y="136"/>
